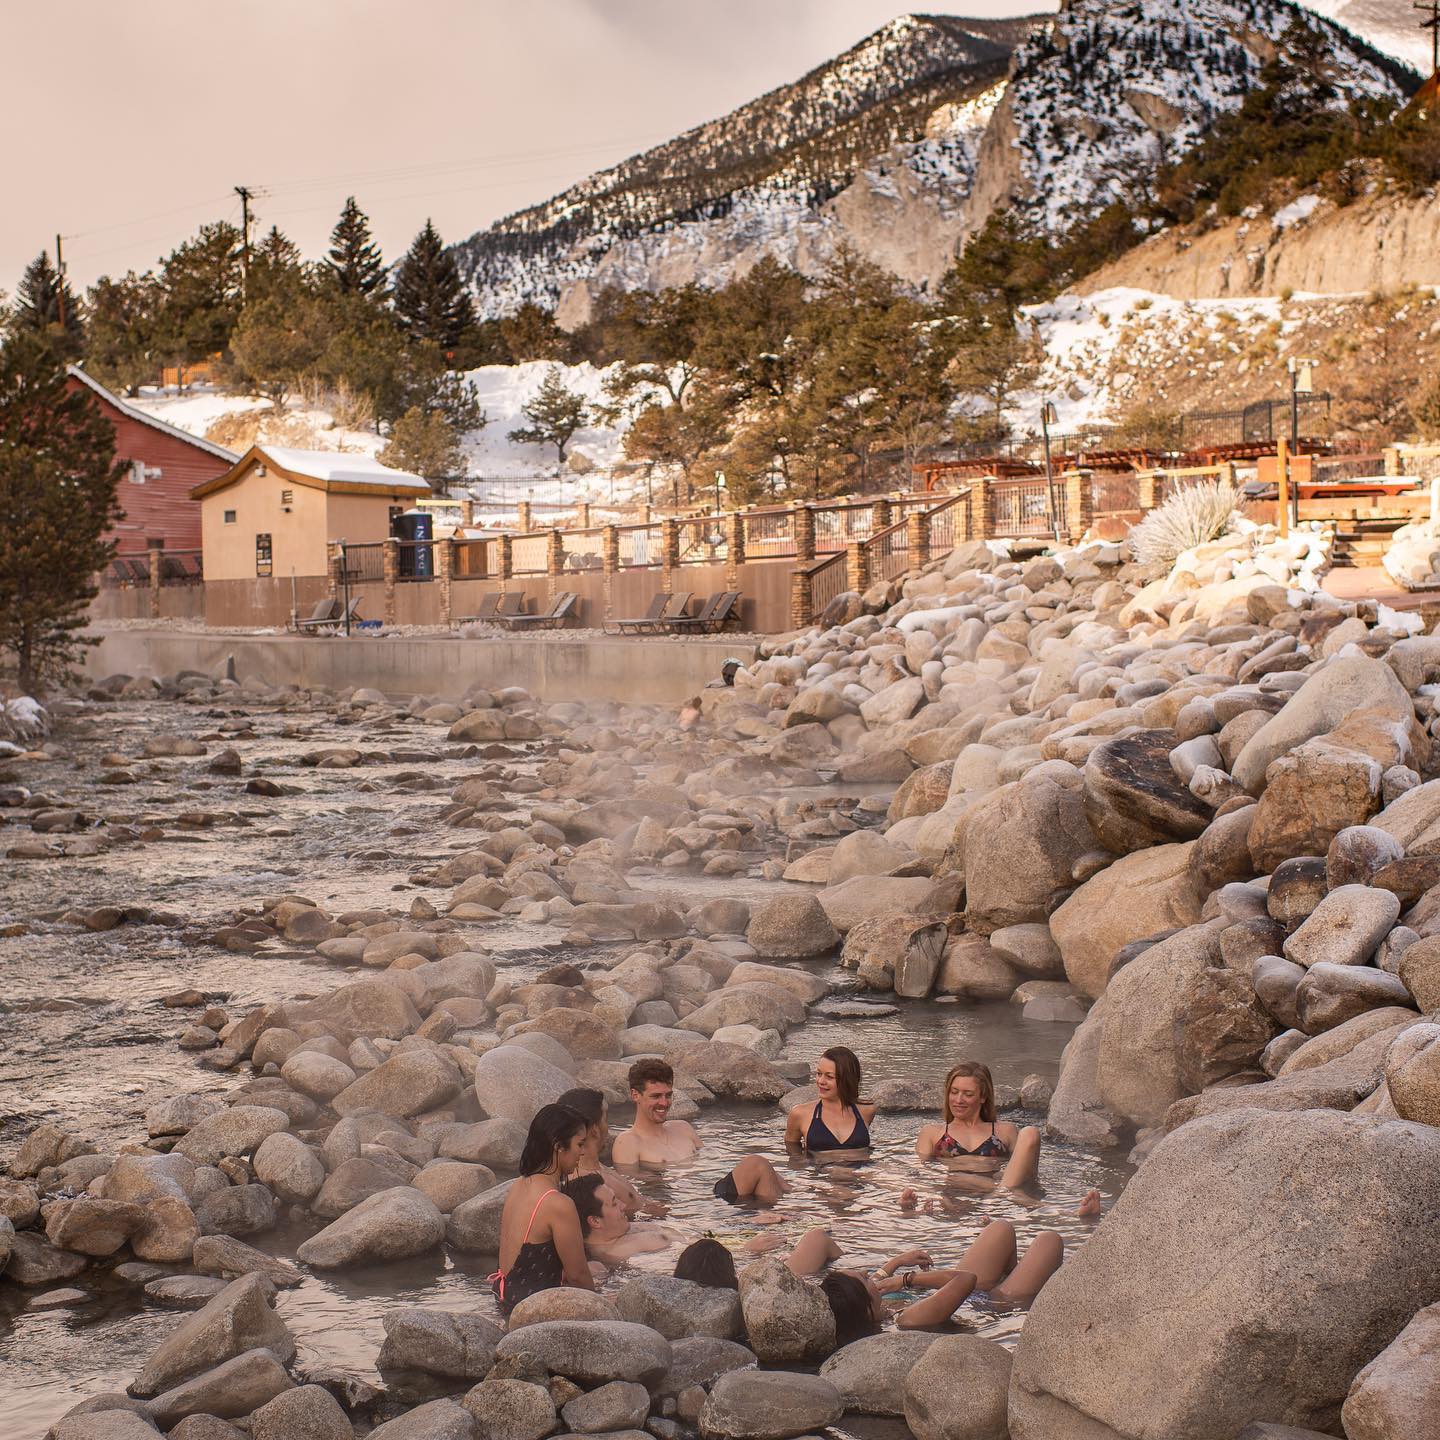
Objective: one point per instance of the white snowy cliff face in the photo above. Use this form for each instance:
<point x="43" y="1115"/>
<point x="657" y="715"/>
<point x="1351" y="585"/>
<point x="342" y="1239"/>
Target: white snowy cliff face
<point x="904" y="145"/>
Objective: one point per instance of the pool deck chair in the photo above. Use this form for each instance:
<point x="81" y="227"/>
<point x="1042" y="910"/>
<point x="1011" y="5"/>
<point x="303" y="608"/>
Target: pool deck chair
<point x="485" y="610"/>
<point x="715" y="614"/>
<point x="512" y="605"/>
<point x="561" y="609"/>
<point x="662" y="610"/>
<point x="325" y="614"/>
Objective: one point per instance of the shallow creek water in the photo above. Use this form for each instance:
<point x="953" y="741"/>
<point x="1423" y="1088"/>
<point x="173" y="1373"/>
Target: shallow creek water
<point x="85" y="1042"/>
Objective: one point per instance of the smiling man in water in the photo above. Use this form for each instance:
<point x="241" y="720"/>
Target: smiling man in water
<point x="654" y="1139"/>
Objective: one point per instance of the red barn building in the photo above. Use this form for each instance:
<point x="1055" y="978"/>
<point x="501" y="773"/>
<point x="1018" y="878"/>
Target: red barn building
<point x="165" y="465"/>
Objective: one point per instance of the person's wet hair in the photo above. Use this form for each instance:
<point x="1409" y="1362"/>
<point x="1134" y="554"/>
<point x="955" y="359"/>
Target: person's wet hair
<point x="847" y="1074"/>
<point x="850" y="1305"/>
<point x="584" y="1190"/>
<point x="588" y="1104"/>
<point x="650" y="1072"/>
<point x="552" y="1129"/>
<point x="972" y="1070"/>
<point x="707" y="1262"/>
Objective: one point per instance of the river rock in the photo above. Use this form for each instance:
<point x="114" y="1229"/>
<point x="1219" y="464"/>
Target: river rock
<point x="1412" y="1073"/>
<point x="768" y="1405"/>
<point x="959" y="1390"/>
<point x="437" y="1420"/>
<point x="34" y="1261"/>
<point x="1221" y="856"/>
<point x="1311" y="795"/>
<point x="290" y="1168"/>
<point x="512" y="1408"/>
<point x="20" y="1203"/>
<point x="235" y="1387"/>
<point x="1146" y="1008"/>
<point x="1224" y="1029"/>
<point x="790" y="927"/>
<point x="457" y="1345"/>
<point x="496" y="1144"/>
<point x="450" y="1183"/>
<point x="1331" y="994"/>
<point x="581" y="1035"/>
<point x="1397" y="1395"/>
<point x="878" y="947"/>
<point x="1277" y="985"/>
<point x="1139" y="895"/>
<point x="92" y="1227"/>
<point x="356" y="1180"/>
<point x="1345" y="928"/>
<point x="180" y="1113"/>
<point x="1191" y="1211"/>
<point x="700" y="1360"/>
<point x="168" y="1232"/>
<point x="236" y="1210"/>
<point x="370" y="1008"/>
<point x="971" y="969"/>
<point x="184" y="1292"/>
<point x="308" y="1412"/>
<point x="1133" y="797"/>
<point x="562" y="1302"/>
<point x="105" y="1424"/>
<point x="1020" y="847"/>
<point x="409" y="1083"/>
<point x="787" y="1321"/>
<point x="1077" y="1109"/>
<point x="393" y="1225"/>
<point x="236" y="1131"/>
<point x="1345" y="686"/>
<point x="322" y="1077"/>
<point x="677" y="1308"/>
<point x="620" y="1405"/>
<point x="1030" y="949"/>
<point x="230" y="1258"/>
<point x="474" y="1225"/>
<point x="511" y="1083"/>
<point x="591" y="1352"/>
<point x="240" y="1318"/>
<point x="870" y="1373"/>
<point x="1357" y="854"/>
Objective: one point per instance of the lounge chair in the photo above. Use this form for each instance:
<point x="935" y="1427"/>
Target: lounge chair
<point x="139" y="570"/>
<point x="512" y="604"/>
<point x="485" y="610"/>
<point x="663" y="609"/>
<point x="325" y="613"/>
<point x="715" y="614"/>
<point x="561" y="609"/>
<point x="120" y="573"/>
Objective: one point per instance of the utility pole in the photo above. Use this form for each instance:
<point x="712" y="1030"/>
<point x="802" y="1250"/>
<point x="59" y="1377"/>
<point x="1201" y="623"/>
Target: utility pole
<point x="60" y="279"/>
<point x="244" y="193"/>
<point x="1048" y="417"/>
<point x="1431" y="10"/>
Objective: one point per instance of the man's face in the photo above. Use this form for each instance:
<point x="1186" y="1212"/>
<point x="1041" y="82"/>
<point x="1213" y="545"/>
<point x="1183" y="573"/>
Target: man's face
<point x="654" y="1101"/>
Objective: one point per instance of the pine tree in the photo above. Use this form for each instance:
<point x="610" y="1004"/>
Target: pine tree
<point x="45" y="306"/>
<point x="430" y="297"/>
<point x="425" y="444"/>
<point x="354" y="260"/>
<point x="122" y="317"/>
<point x="201" y="281"/>
<point x="555" y="414"/>
<point x="57" y="501"/>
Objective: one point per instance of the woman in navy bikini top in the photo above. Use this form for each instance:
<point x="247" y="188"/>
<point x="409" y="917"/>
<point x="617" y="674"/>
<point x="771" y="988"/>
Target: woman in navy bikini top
<point x="837" y="1080"/>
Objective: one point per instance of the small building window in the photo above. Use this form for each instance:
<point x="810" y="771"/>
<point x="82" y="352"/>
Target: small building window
<point x="229" y="517"/>
<point x="263" y="564"/>
<point x="137" y="472"/>
<point x="154" y="542"/>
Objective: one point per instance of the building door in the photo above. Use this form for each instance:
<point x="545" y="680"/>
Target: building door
<point x="263" y="560"/>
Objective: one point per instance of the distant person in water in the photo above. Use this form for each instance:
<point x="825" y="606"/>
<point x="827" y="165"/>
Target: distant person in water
<point x="839" y="1120"/>
<point x="654" y="1140"/>
<point x="971" y="1138"/>
<point x="541" y="1243"/>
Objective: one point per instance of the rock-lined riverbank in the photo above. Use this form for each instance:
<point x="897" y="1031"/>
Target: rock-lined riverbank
<point x="1191" y="808"/>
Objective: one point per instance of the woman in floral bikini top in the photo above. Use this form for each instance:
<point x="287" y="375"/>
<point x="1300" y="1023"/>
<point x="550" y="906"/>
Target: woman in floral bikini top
<point x="967" y="1109"/>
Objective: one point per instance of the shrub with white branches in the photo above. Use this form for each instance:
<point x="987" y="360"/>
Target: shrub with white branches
<point x="1188" y="517"/>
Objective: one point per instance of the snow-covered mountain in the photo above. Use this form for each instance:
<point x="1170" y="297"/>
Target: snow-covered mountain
<point x="905" y="144"/>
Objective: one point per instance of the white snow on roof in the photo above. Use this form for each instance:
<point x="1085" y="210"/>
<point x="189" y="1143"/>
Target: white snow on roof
<point x="343" y="467"/>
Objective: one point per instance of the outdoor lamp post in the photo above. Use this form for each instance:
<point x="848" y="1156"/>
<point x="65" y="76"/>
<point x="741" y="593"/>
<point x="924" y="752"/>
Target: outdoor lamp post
<point x="1048" y="417"/>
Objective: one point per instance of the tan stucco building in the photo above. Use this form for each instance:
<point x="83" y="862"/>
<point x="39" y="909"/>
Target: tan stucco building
<point x="274" y="512"/>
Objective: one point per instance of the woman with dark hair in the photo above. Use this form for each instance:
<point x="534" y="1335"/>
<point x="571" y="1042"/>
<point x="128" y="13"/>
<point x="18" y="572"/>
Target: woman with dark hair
<point x="970" y="1137"/>
<point x="838" y="1120"/>
<point x="707" y="1262"/>
<point x="540" y="1237"/>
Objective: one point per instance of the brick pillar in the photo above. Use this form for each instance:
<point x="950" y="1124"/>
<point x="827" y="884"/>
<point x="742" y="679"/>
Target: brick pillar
<point x="801" y="613"/>
<point x="391" y="555"/>
<point x="734" y="548"/>
<point x="917" y="539"/>
<point x="610" y="566"/>
<point x="804" y="533"/>
<point x="1145" y="489"/>
<point x="669" y="554"/>
<point x="523" y="521"/>
<point x="644" y="514"/>
<point x="884" y="513"/>
<point x="155" y="554"/>
<point x="857" y="566"/>
<point x="582" y="518"/>
<point x="554" y="562"/>
<point x="506" y="549"/>
<point x="467" y="512"/>
<point x="334" y="580"/>
<point x="982" y="519"/>
<point x="1392" y="460"/>
<point x="1079" y="503"/>
<point x="444" y="551"/>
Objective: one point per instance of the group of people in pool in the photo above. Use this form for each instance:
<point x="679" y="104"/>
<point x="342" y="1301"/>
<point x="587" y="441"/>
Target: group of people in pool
<point x="569" y="1217"/>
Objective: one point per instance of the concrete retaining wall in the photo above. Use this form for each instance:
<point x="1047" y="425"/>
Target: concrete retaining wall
<point x="644" y="671"/>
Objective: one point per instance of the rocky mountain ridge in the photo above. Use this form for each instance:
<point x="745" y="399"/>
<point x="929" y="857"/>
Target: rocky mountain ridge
<point x="905" y="144"/>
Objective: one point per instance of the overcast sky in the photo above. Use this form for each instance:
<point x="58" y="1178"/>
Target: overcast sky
<point x="127" y="124"/>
